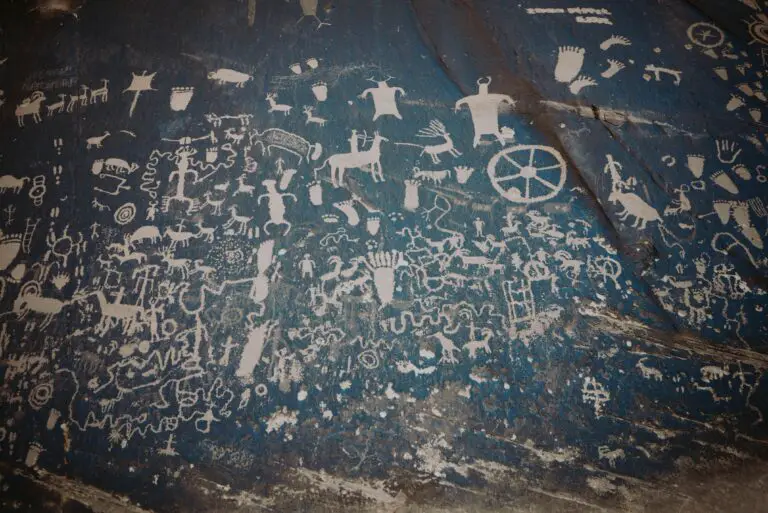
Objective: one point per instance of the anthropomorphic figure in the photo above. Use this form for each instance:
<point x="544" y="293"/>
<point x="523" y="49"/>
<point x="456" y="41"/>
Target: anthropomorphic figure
<point x="484" y="108"/>
<point x="384" y="99"/>
<point x="307" y="267"/>
<point x="479" y="225"/>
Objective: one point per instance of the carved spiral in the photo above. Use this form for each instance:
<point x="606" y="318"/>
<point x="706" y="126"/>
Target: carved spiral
<point x="125" y="213"/>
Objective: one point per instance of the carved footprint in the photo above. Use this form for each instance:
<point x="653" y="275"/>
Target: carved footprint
<point x="580" y="83"/>
<point x="383" y="264"/>
<point x="614" y="40"/>
<point x="347" y="208"/>
<point x="570" y="59"/>
<point x="614" y="67"/>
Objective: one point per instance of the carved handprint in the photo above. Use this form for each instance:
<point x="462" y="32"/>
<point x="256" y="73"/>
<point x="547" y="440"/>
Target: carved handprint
<point x="727" y="151"/>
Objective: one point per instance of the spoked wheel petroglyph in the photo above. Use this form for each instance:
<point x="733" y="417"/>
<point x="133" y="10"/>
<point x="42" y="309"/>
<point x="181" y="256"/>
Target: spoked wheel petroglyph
<point x="705" y="35"/>
<point x="527" y="173"/>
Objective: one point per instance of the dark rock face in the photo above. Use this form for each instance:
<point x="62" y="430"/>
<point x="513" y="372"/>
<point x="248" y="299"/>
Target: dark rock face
<point x="382" y="256"/>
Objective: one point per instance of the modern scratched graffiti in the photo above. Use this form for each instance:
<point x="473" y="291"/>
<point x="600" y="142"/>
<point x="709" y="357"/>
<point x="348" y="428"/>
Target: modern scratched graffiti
<point x="302" y="244"/>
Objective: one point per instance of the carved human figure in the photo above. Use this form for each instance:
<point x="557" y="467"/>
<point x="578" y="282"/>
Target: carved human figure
<point x="276" y="205"/>
<point x="307" y="267"/>
<point x="484" y="108"/>
<point x="384" y="99"/>
<point x="479" y="225"/>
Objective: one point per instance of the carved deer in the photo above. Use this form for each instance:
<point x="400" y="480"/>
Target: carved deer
<point x="277" y="107"/>
<point x="437" y="129"/>
<point x="311" y="118"/>
<point x="482" y="343"/>
<point x="176" y="264"/>
<point x="242" y="187"/>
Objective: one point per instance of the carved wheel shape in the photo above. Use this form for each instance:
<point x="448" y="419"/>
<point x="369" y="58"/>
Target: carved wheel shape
<point x="527" y="173"/>
<point x="705" y="35"/>
<point x="758" y="29"/>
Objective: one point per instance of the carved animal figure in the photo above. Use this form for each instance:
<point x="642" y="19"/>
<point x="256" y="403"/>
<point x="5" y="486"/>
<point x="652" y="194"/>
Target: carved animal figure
<point x="649" y="372"/>
<point x="213" y="119"/>
<point x="11" y="183"/>
<point x="135" y="255"/>
<point x="30" y="106"/>
<point x="568" y="264"/>
<point x="205" y="232"/>
<point x="277" y="107"/>
<point x="83" y="97"/>
<point x="574" y="242"/>
<point x="101" y="93"/>
<point x="176" y="264"/>
<point x="512" y="227"/>
<point x="123" y="253"/>
<point x="333" y="274"/>
<point x="467" y="260"/>
<point x="481" y="343"/>
<point x="541" y="226"/>
<point x="179" y="237"/>
<point x="150" y="233"/>
<point x="436" y="177"/>
<point x="371" y="157"/>
<point x="311" y="118"/>
<point x="242" y="221"/>
<point x="214" y="204"/>
<point x="454" y="241"/>
<point x="205" y="270"/>
<point x="119" y="166"/>
<point x="229" y="76"/>
<point x="448" y="348"/>
<point x="30" y="300"/>
<point x="58" y="107"/>
<point x="242" y="187"/>
<point x="96" y="141"/>
<point x="113" y="314"/>
<point x="73" y="99"/>
<point x="635" y="206"/>
<point x="436" y="129"/>
<point x="235" y="137"/>
<point x="490" y="243"/>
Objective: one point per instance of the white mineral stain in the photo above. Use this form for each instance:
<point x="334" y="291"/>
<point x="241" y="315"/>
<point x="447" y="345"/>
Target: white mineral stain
<point x="426" y="354"/>
<point x="390" y="393"/>
<point x="370" y="489"/>
<point x="560" y="455"/>
<point x="601" y="485"/>
<point x="280" y="418"/>
<point x="476" y="378"/>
